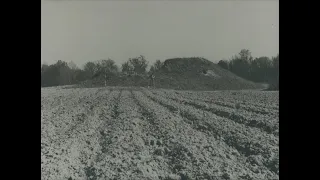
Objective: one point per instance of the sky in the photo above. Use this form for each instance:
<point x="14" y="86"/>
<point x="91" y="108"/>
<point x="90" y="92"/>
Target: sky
<point x="83" y="30"/>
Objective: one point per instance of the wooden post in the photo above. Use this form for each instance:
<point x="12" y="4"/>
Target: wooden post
<point x="153" y="82"/>
<point x="105" y="79"/>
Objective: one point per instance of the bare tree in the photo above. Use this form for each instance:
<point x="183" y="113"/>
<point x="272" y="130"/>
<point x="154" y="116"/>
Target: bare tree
<point x="157" y="65"/>
<point x="107" y="68"/>
<point x="139" y="64"/>
<point x="90" y="69"/>
<point x="126" y="68"/>
<point x="72" y="65"/>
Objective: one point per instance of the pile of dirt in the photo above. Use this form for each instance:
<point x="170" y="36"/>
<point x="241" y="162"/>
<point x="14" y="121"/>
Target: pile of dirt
<point x="199" y="74"/>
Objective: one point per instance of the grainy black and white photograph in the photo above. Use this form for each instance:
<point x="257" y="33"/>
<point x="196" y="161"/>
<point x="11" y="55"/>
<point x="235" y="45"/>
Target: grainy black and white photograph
<point x="159" y="90"/>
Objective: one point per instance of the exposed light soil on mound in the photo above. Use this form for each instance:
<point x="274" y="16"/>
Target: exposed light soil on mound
<point x="124" y="133"/>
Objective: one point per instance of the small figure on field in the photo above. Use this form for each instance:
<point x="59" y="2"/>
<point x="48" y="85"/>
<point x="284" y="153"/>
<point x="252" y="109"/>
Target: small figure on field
<point x="206" y="108"/>
<point x="177" y="111"/>
<point x="237" y="106"/>
<point x="152" y="82"/>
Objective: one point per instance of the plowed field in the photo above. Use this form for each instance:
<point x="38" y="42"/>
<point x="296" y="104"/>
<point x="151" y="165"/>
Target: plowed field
<point x="137" y="133"/>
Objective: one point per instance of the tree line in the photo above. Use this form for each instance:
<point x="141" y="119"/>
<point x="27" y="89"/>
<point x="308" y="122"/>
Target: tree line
<point x="260" y="69"/>
<point x="63" y="73"/>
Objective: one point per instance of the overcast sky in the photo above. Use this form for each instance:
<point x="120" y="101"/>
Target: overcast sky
<point x="81" y="31"/>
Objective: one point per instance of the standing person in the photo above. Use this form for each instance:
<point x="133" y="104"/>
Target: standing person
<point x="152" y="83"/>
